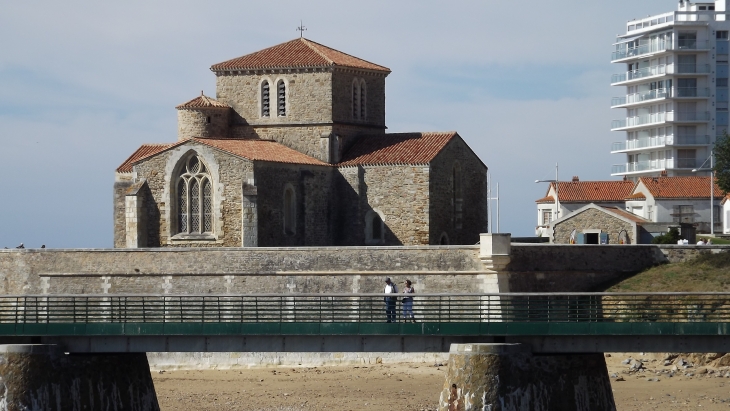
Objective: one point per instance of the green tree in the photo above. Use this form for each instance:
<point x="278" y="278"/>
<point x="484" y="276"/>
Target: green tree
<point x="722" y="162"/>
<point x="670" y="237"/>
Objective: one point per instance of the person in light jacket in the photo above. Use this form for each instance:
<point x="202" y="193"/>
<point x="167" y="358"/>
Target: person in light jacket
<point x="390" y="288"/>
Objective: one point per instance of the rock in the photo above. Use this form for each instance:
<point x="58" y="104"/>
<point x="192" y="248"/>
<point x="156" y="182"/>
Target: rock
<point x="608" y="355"/>
<point x="702" y="370"/>
<point x="637" y="365"/>
<point x="667" y="363"/>
<point x="654" y="379"/>
<point x="626" y="361"/>
<point x="619" y="379"/>
<point x="614" y="375"/>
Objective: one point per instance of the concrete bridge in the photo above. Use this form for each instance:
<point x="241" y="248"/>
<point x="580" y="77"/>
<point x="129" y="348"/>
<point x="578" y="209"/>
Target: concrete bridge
<point x="545" y="322"/>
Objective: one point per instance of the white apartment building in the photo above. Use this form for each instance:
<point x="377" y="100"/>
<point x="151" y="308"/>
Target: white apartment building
<point x="674" y="90"/>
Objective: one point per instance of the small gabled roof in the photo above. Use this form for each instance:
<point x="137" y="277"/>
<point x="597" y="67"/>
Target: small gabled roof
<point x="297" y="53"/>
<point x="615" y="211"/>
<point x="680" y="187"/>
<point x="547" y="199"/>
<point x="590" y="191"/>
<point x="144" y="151"/>
<point x="396" y="148"/>
<point x="251" y="149"/>
<point x="725" y="200"/>
<point x="202" y="101"/>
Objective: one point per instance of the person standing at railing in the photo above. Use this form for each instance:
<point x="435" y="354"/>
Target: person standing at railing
<point x="390" y="288"/>
<point x="408" y="290"/>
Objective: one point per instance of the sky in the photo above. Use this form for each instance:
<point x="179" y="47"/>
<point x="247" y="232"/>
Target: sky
<point x="83" y="84"/>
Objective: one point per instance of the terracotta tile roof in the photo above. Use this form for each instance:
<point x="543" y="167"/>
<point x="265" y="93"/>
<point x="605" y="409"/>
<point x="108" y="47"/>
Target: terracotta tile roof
<point x="256" y="150"/>
<point x="592" y="191"/>
<point x="397" y="148"/>
<point x="636" y="196"/>
<point x="548" y="199"/>
<point x="260" y="150"/>
<point x="623" y="213"/>
<point x="296" y="53"/>
<point x="146" y="150"/>
<point x="203" y="101"/>
<point x="680" y="187"/>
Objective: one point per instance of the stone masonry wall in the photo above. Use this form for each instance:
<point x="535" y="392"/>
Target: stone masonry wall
<point x="400" y="193"/>
<point x="228" y="173"/>
<point x="120" y="222"/>
<point x="474" y="212"/>
<point x="194" y="123"/>
<point x="309" y="96"/>
<point x="342" y="97"/>
<point x="311" y="185"/>
<point x="533" y="268"/>
<point x="593" y="219"/>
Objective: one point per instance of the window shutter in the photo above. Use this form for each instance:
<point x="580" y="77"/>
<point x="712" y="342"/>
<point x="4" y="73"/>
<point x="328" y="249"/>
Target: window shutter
<point x="604" y="238"/>
<point x="580" y="238"/>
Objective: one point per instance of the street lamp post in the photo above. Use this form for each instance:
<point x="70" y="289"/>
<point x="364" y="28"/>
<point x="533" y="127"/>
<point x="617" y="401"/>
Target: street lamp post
<point x="712" y="191"/>
<point x="557" y="197"/>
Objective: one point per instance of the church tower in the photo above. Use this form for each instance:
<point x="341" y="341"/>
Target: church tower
<point x="309" y="97"/>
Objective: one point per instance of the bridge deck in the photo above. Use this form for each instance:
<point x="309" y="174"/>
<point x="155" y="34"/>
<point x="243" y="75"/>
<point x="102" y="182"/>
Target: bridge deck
<point x="575" y="322"/>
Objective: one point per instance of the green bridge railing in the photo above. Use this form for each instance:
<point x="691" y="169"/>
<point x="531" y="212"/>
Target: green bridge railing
<point x="366" y="308"/>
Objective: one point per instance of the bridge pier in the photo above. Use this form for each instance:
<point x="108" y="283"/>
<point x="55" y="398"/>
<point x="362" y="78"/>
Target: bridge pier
<point x="43" y="377"/>
<point x="508" y="377"/>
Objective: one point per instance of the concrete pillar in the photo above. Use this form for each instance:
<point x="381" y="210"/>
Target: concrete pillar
<point x="507" y="377"/>
<point x="42" y="377"/>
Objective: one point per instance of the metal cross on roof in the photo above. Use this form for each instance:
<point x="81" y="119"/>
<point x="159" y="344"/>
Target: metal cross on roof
<point x="301" y="29"/>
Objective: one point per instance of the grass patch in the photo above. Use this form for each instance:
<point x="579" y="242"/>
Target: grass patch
<point x="708" y="272"/>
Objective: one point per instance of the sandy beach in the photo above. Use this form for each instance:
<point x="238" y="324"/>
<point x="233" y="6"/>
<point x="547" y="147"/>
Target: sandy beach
<point x="417" y="387"/>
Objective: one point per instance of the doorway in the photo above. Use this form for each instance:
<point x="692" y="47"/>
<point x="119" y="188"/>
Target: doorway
<point x="591" y="238"/>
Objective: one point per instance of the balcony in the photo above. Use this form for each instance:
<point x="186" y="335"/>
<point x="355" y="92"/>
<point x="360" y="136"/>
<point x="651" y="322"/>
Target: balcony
<point x="642" y="166"/>
<point x="687" y="163"/>
<point x="677" y="92"/>
<point x="658" y="118"/>
<point x="659" y="47"/>
<point x="660" y="141"/>
<point x="658" y="71"/>
<point x="690" y="141"/>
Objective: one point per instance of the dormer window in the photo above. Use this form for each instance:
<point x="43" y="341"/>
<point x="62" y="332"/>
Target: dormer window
<point x="281" y="97"/>
<point x="265" y="98"/>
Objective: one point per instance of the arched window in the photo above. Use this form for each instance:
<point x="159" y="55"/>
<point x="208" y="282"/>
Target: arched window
<point x="194" y="198"/>
<point x="281" y="97"/>
<point x="355" y="99"/>
<point x="290" y="211"/>
<point x="374" y="228"/>
<point x="457" y="200"/>
<point x="444" y="239"/>
<point x="265" y="99"/>
<point x="363" y="100"/>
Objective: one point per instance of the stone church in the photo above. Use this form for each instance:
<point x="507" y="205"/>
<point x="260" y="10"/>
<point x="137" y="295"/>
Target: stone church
<point x="293" y="151"/>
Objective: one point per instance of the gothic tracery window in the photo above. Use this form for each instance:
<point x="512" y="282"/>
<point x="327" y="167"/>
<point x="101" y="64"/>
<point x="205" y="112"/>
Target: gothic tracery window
<point x="290" y="211"/>
<point x="194" y="198"/>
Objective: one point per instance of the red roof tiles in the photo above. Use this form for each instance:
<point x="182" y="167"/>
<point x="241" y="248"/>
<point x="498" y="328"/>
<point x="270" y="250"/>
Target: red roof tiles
<point x="293" y="54"/>
<point x="256" y="150"/>
<point x="636" y="196"/>
<point x="398" y="148"/>
<point x="146" y="150"/>
<point x="623" y="213"/>
<point x="261" y="150"/>
<point x="592" y="191"/>
<point x="203" y="101"/>
<point x="680" y="187"/>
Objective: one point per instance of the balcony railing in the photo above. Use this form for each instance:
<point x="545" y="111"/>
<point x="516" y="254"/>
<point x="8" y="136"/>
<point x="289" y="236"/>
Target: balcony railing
<point x="655" y="118"/>
<point x="691" y="140"/>
<point x="659" y="46"/>
<point x="686" y="163"/>
<point x="640" y="166"/>
<point x="660" y="70"/>
<point x="682" y="140"/>
<point x="681" y="92"/>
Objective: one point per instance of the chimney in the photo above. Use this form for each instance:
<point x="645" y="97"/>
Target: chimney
<point x="663" y="173"/>
<point x="575" y="178"/>
<point x="626" y="178"/>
